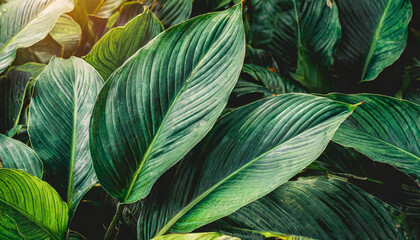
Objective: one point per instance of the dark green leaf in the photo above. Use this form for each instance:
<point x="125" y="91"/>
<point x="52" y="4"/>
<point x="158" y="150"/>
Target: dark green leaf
<point x="30" y="208"/>
<point x="300" y="34"/>
<point x="14" y="87"/>
<point x="171" y="12"/>
<point x="60" y="111"/>
<point x="250" y="152"/>
<point x="318" y="208"/>
<point x="374" y="34"/>
<point x="385" y="129"/>
<point x="196" y="236"/>
<point x="163" y="101"/>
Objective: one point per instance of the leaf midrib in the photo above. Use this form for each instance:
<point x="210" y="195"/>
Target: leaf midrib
<point x="184" y="210"/>
<point x="30" y="218"/>
<point x="149" y="149"/>
<point x="72" y="149"/>
<point x="375" y="40"/>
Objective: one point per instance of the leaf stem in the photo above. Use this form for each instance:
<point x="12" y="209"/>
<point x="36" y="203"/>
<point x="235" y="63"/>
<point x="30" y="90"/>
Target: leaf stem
<point x="112" y="232"/>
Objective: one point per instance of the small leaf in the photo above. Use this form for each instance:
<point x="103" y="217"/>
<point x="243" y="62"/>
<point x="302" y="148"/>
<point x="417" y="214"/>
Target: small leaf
<point x="23" y="23"/>
<point x="60" y="111"/>
<point x="119" y="44"/>
<point x="171" y="12"/>
<point x="196" y="236"/>
<point x="14" y="89"/>
<point x="17" y="155"/>
<point x="30" y="208"/>
<point x="67" y="33"/>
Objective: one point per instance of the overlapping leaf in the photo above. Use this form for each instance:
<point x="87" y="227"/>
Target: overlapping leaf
<point x="119" y="44"/>
<point x="374" y="34"/>
<point x="171" y="12"/>
<point x="300" y="34"/>
<point x="250" y="152"/>
<point x="67" y="33"/>
<point x="13" y="91"/>
<point x="163" y="101"/>
<point x="266" y="83"/>
<point x="385" y="129"/>
<point x="196" y="236"/>
<point x="23" y="23"/>
<point x="318" y="208"/>
<point x="17" y="155"/>
<point x="30" y="208"/>
<point x="60" y="111"/>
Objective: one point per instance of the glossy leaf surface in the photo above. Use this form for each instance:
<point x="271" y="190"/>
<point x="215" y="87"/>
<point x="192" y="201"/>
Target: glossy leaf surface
<point x="121" y="43"/>
<point x="319" y="208"/>
<point x="30" y="208"/>
<point x="60" y="111"/>
<point x="163" y="100"/>
<point x="273" y="139"/>
<point x="23" y="23"/>
<point x="385" y="129"/>
<point x="16" y="155"/>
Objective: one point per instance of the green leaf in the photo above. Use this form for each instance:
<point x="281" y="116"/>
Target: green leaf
<point x="17" y="155"/>
<point x="385" y="129"/>
<point x="172" y="91"/>
<point x="300" y="34"/>
<point x="127" y="12"/>
<point x="318" y="208"/>
<point x="196" y="236"/>
<point x="171" y="12"/>
<point x="264" y="82"/>
<point x="121" y="43"/>
<point x="67" y="33"/>
<point x="250" y="152"/>
<point x="14" y="91"/>
<point x="108" y="7"/>
<point x="43" y="51"/>
<point x="30" y="208"/>
<point x="25" y="23"/>
<point x="374" y="34"/>
<point x="60" y="111"/>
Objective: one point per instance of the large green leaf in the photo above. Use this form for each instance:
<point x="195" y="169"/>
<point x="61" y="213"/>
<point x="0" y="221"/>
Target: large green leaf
<point x="319" y="208"/>
<point x="196" y="236"/>
<point x="250" y="152"/>
<point x="13" y="91"/>
<point x="374" y="34"/>
<point x="300" y="34"/>
<point x="24" y="23"/>
<point x="121" y="43"/>
<point x="385" y="129"/>
<point x="30" y="208"/>
<point x="163" y="101"/>
<point x="171" y="12"/>
<point x="60" y="111"/>
<point x="16" y="155"/>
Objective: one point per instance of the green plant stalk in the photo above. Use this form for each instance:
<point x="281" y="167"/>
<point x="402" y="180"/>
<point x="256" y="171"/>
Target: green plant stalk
<point x="112" y="231"/>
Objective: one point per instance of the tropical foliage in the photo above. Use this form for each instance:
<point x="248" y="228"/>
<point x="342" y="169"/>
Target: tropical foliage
<point x="209" y="120"/>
